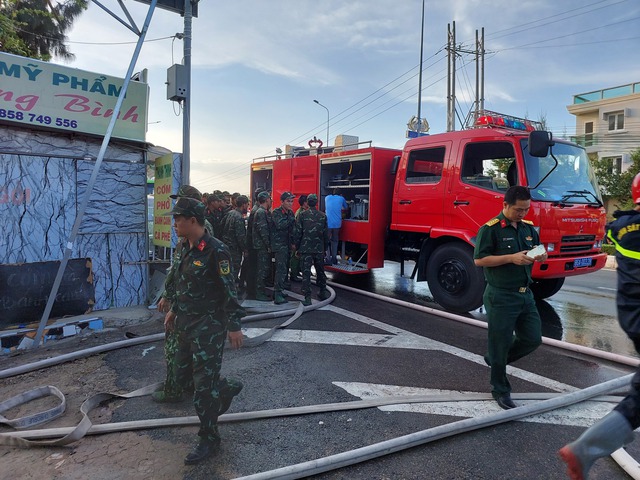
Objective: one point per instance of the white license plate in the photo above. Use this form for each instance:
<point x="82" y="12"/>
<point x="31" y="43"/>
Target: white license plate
<point x="582" y="262"/>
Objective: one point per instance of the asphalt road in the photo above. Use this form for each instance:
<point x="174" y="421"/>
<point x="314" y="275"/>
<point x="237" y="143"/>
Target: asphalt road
<point x="357" y="348"/>
<point x="582" y="312"/>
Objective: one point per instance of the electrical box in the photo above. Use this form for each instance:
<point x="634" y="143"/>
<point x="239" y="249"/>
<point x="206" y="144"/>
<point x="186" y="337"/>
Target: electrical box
<point x="345" y="142"/>
<point x="176" y="82"/>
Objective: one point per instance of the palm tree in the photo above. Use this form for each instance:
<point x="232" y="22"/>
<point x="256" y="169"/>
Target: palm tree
<point x="40" y="26"/>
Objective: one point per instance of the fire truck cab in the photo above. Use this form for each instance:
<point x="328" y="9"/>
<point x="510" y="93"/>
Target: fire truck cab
<point x="427" y="202"/>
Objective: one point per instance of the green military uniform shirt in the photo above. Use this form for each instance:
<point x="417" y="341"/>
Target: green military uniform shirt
<point x="311" y="231"/>
<point x="282" y="229"/>
<point x="204" y="284"/>
<point x="499" y="237"/>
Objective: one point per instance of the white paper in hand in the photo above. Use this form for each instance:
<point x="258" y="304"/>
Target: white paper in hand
<point x="535" y="251"/>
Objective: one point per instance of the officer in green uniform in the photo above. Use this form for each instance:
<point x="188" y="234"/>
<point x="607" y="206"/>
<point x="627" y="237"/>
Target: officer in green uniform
<point x="261" y="237"/>
<point x="214" y="207"/>
<point x="295" y="256"/>
<point x="248" y="274"/>
<point x="281" y="243"/>
<point x="234" y="234"/>
<point x="501" y="248"/>
<point x="311" y="240"/>
<point x="204" y="311"/>
<point x="172" y="391"/>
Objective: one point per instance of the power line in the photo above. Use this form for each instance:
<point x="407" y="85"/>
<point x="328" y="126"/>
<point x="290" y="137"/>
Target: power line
<point x="571" y="34"/>
<point x="92" y="43"/>
<point x="493" y="35"/>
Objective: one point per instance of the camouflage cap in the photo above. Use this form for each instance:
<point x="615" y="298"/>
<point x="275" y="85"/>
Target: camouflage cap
<point x="187" y="191"/>
<point x="312" y="197"/>
<point x="241" y="200"/>
<point x="287" y="196"/>
<point x="188" y="207"/>
<point x="262" y="196"/>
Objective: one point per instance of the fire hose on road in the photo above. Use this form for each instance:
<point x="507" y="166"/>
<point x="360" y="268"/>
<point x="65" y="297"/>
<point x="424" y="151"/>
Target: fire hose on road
<point x="72" y="434"/>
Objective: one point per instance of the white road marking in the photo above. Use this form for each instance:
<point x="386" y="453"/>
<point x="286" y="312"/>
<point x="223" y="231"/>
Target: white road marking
<point x="607" y="288"/>
<point x="582" y="414"/>
<point x="399" y="339"/>
<point x="147" y="350"/>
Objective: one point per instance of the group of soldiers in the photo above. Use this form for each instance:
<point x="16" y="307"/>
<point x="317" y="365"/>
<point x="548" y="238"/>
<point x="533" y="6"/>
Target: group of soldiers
<point x="218" y="253"/>
<point x="269" y="246"/>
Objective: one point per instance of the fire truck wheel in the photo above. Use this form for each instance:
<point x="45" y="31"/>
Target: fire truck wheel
<point x="546" y="288"/>
<point x="454" y="280"/>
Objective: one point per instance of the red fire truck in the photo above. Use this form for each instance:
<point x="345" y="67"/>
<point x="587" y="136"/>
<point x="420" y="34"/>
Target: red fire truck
<point x="427" y="202"/>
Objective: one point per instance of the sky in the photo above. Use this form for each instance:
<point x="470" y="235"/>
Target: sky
<point x="257" y="66"/>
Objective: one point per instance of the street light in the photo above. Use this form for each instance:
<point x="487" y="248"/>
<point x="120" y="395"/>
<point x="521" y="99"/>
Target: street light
<point x="316" y="101"/>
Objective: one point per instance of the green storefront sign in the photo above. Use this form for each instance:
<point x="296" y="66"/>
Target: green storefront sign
<point x="42" y="94"/>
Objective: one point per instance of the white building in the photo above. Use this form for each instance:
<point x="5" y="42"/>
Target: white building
<point x="608" y="123"/>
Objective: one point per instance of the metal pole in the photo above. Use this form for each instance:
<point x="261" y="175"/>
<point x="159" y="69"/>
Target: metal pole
<point x="448" y="77"/>
<point x="92" y="180"/>
<point x="186" y="120"/>
<point x="482" y="71"/>
<point x="420" y="71"/>
<point x="316" y="101"/>
<point x="475" y="116"/>
<point x="453" y="79"/>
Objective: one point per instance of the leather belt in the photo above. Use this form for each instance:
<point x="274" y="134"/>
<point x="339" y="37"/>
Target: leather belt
<point x="515" y="289"/>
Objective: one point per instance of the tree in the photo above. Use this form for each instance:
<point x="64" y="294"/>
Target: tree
<point x="37" y="28"/>
<point x="613" y="184"/>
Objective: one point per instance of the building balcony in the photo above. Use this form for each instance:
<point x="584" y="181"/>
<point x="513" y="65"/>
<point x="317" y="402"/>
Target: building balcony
<point x="588" y="140"/>
<point x="607" y="93"/>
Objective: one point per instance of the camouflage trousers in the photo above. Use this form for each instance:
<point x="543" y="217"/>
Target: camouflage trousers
<point x="172" y="387"/>
<point x="236" y="262"/>
<point x="263" y="270"/>
<point x="282" y="269"/>
<point x="248" y="273"/>
<point x="199" y="356"/>
<point x="294" y="263"/>
<point x="317" y="260"/>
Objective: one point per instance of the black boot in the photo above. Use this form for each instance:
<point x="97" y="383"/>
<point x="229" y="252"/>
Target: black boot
<point x="203" y="450"/>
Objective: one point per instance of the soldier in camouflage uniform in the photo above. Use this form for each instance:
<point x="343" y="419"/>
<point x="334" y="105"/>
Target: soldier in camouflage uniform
<point x="311" y="239"/>
<point x="261" y="236"/>
<point x="204" y="311"/>
<point x="281" y="244"/>
<point x="214" y="207"/>
<point x="248" y="274"/>
<point x="295" y="256"/>
<point x="172" y="391"/>
<point x="234" y="234"/>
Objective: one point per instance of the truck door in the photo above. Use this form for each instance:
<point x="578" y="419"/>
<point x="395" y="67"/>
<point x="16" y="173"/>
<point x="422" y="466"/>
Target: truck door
<point x="261" y="176"/>
<point x="420" y="188"/>
<point x="487" y="169"/>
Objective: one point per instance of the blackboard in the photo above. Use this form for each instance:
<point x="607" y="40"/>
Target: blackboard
<point x="25" y="288"/>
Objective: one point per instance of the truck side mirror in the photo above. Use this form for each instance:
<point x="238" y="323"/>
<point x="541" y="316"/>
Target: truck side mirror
<point x="539" y="143"/>
<point x="394" y="164"/>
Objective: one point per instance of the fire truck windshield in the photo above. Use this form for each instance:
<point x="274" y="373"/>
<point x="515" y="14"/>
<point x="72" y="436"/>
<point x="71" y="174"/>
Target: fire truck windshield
<point x="573" y="181"/>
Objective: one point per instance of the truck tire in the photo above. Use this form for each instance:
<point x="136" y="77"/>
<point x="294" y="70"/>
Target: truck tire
<point x="454" y="280"/>
<point x="546" y="288"/>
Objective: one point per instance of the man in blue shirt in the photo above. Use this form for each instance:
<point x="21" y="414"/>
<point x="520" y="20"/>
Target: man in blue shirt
<point x="334" y="205"/>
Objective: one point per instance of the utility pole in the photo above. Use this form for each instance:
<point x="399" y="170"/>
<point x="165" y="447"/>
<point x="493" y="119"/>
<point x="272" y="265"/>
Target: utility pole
<point x="451" y="77"/>
<point x="420" y="70"/>
<point x="479" y="52"/>
<point x="452" y="52"/>
<point x="186" y="119"/>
